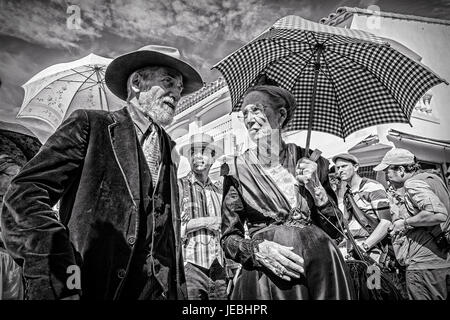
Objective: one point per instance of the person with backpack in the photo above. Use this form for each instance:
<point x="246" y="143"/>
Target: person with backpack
<point x="370" y="216"/>
<point x="420" y="232"/>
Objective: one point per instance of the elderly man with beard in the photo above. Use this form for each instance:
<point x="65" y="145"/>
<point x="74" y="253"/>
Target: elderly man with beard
<point x="116" y="235"/>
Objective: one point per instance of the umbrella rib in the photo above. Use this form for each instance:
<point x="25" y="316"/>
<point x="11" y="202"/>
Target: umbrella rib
<point x="317" y="41"/>
<point x="79" y="73"/>
<point x="307" y="61"/>
<point x="92" y="85"/>
<point x="275" y="62"/>
<point x="313" y="35"/>
<point x="336" y="96"/>
<point x="304" y="67"/>
<point x="378" y="79"/>
<point x="102" y="84"/>
<point x="102" y="71"/>
<point x="74" y="81"/>
<point x="297" y="54"/>
<point x="307" y="41"/>
<point x="99" y="88"/>
<point x="292" y="52"/>
<point x="59" y="79"/>
<point x="293" y="40"/>
<point x="78" y="90"/>
<point x="76" y="72"/>
<point x="332" y="37"/>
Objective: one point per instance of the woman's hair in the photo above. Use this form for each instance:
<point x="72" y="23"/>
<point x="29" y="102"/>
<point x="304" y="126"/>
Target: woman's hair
<point x="141" y="80"/>
<point x="280" y="98"/>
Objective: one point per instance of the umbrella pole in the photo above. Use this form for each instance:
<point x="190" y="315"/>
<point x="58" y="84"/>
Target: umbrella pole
<point x="313" y="98"/>
<point x="99" y="84"/>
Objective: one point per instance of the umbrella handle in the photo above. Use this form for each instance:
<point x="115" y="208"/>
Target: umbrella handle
<point x="319" y="49"/>
<point x="315" y="155"/>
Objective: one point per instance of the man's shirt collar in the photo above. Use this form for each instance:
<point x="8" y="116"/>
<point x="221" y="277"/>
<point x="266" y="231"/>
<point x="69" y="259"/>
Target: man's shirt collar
<point x="193" y="179"/>
<point x="139" y="118"/>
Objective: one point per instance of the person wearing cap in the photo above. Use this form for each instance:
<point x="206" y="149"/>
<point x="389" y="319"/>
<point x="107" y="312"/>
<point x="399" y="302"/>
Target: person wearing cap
<point x="114" y="174"/>
<point x="425" y="207"/>
<point x="371" y="228"/>
<point x="200" y="202"/>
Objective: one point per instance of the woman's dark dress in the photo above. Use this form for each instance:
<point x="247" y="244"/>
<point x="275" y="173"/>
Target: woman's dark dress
<point x="252" y="197"/>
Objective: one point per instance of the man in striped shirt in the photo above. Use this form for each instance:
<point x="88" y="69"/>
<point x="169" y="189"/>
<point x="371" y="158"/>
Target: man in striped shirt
<point x="372" y="200"/>
<point x="200" y="202"/>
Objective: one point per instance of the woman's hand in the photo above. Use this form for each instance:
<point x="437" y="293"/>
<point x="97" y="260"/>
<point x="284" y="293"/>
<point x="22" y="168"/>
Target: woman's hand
<point x="307" y="175"/>
<point x="280" y="260"/>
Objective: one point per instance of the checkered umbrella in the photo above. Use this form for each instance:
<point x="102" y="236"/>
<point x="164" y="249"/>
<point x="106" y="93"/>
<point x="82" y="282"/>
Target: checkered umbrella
<point x="343" y="80"/>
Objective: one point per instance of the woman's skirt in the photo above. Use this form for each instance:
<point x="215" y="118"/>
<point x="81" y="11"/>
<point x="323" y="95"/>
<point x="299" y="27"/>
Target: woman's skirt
<point x="326" y="275"/>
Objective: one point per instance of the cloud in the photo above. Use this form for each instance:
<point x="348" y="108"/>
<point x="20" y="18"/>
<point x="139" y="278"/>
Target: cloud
<point x="45" y="22"/>
<point x="11" y="98"/>
<point x="366" y="3"/>
<point x="205" y="30"/>
<point x="41" y="23"/>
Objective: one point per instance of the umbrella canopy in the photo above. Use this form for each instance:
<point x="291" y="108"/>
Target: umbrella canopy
<point x="343" y="80"/>
<point x="55" y="92"/>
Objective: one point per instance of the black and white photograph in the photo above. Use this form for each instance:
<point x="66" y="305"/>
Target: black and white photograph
<point x="225" y="154"/>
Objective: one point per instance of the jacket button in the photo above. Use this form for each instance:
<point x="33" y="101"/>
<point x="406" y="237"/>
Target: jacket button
<point x="121" y="273"/>
<point x="131" y="240"/>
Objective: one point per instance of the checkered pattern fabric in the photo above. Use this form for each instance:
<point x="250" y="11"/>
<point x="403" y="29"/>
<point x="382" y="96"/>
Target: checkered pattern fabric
<point x="362" y="80"/>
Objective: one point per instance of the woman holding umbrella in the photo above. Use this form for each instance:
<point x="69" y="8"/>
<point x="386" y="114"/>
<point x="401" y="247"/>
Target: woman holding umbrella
<point x="283" y="204"/>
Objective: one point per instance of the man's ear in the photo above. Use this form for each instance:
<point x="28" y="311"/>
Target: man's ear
<point x="135" y="81"/>
<point x="283" y="115"/>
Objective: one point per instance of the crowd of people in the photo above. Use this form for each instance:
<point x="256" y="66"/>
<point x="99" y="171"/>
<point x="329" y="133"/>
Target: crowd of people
<point x="272" y="227"/>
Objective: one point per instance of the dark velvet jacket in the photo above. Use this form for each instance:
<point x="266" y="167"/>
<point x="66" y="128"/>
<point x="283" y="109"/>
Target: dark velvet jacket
<point x="93" y="165"/>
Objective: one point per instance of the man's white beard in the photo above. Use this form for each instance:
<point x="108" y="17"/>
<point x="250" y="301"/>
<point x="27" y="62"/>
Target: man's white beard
<point x="161" y="114"/>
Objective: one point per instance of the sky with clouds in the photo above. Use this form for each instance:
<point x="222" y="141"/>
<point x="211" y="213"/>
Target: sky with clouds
<point x="34" y="33"/>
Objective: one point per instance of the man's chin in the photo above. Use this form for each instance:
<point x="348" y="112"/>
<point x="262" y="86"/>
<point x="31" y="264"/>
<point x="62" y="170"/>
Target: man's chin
<point x="162" y="118"/>
<point x="167" y="122"/>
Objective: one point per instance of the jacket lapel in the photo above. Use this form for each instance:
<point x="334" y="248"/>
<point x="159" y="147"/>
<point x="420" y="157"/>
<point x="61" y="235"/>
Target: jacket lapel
<point x="124" y="143"/>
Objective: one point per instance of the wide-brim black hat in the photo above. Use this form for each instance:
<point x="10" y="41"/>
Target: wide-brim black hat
<point x="118" y="71"/>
